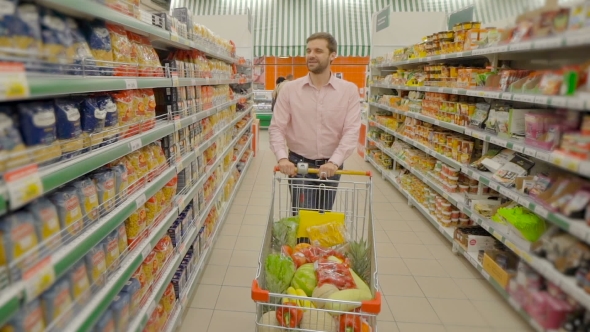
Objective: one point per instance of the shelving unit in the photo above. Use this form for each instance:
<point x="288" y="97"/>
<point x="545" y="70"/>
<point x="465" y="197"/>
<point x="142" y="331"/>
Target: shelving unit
<point x="18" y="293"/>
<point x="560" y="47"/>
<point x="262" y="103"/>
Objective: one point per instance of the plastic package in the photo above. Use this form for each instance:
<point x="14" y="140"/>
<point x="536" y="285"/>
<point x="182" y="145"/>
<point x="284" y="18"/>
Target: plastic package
<point x="23" y="30"/>
<point x="46" y="222"/>
<point x="111" y="246"/>
<point x="140" y="165"/>
<point x="96" y="264"/>
<point x="37" y="123"/>
<point x="168" y="299"/>
<point x="105" y="186"/>
<point x="68" y="128"/>
<point x="152" y="207"/>
<point x="29" y="319"/>
<point x="331" y="272"/>
<point x="148" y="267"/>
<point x="57" y="42"/>
<point x="122" y="235"/>
<point x="80" y="282"/>
<point x="82" y="56"/>
<point x="150" y="108"/>
<point x="111" y="121"/>
<point x="121" y="48"/>
<point x="106" y="322"/>
<point x="99" y="41"/>
<point x="120" y="308"/>
<point x="170" y="189"/>
<point x="140" y="276"/>
<point x="18" y="238"/>
<point x="57" y="300"/>
<point x="88" y="197"/>
<point x="12" y="147"/>
<point x="68" y="209"/>
<point x="126" y="113"/>
<point x="121" y="180"/>
<point x="92" y="122"/>
<point x="327" y="235"/>
<point x="135" y="224"/>
<point x="163" y="251"/>
<point x="132" y="289"/>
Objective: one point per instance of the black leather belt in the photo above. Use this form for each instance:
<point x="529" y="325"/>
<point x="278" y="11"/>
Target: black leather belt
<point x="300" y="158"/>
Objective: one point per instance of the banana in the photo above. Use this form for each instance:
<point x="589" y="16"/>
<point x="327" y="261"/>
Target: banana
<point x="304" y="303"/>
<point x="291" y="291"/>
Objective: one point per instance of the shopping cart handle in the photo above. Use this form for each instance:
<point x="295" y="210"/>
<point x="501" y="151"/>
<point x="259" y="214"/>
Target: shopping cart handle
<point x="339" y="172"/>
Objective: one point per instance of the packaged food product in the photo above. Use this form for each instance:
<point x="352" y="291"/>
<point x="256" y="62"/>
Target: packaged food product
<point x="152" y="207"/>
<point x="150" y="108"/>
<point x="92" y="122"/>
<point x="56" y="300"/>
<point x="28" y="319"/>
<point x="151" y="161"/>
<point x="84" y="63"/>
<point x="96" y="264"/>
<point x="80" y="282"/>
<point x="131" y="173"/>
<point x="169" y="189"/>
<point x="121" y="48"/>
<point x="88" y="197"/>
<point x="105" y="323"/>
<point x="158" y="153"/>
<point x="12" y="147"/>
<point x="37" y="124"/>
<point x="327" y="235"/>
<point x="139" y="105"/>
<point x="126" y="113"/>
<point x="122" y="238"/>
<point x="160" y="317"/>
<point x="132" y="289"/>
<point x="163" y="251"/>
<point x="68" y="209"/>
<point x="22" y="29"/>
<point x="111" y="247"/>
<point x="120" y="307"/>
<point x="139" y="162"/>
<point x="46" y="222"/>
<point x="57" y="42"/>
<point x="111" y="121"/>
<point x="135" y="224"/>
<point x="168" y="299"/>
<point x="99" y="41"/>
<point x="19" y="239"/>
<point x="121" y="180"/>
<point x="140" y="276"/>
<point x="148" y="267"/>
<point x="105" y="185"/>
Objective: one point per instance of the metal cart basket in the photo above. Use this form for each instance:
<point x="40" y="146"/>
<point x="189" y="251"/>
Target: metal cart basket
<point x="354" y="200"/>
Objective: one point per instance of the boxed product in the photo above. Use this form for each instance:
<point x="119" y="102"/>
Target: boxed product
<point x="500" y="265"/>
<point x="474" y="238"/>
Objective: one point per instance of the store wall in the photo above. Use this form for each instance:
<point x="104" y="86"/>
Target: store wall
<point x="353" y="69"/>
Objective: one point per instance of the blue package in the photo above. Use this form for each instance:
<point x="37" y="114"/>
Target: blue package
<point x="132" y="287"/>
<point x="105" y="323"/>
<point x="120" y="308"/>
<point x="107" y="104"/>
<point x="57" y="301"/>
<point x="84" y="63"/>
<point x="68" y="119"/>
<point x="92" y="116"/>
<point x="22" y="27"/>
<point x="99" y="41"/>
<point x="57" y="42"/>
<point x="37" y="122"/>
<point x="30" y="318"/>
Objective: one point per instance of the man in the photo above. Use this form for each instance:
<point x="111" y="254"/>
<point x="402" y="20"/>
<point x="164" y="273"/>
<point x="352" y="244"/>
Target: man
<point x="317" y="118"/>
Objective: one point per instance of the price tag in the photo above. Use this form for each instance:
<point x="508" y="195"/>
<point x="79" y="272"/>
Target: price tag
<point x="502" y="49"/>
<point x="558" y="101"/>
<point x="24" y="185"/>
<point x="478" y="52"/>
<point x="468" y="132"/>
<point x="443" y="56"/>
<point x="13" y="81"/>
<point x="493" y="95"/>
<point x="39" y="278"/>
<point x="193" y="81"/>
<point x="507" y="96"/>
<point x="175" y="81"/>
<point x="584" y="168"/>
<point x="135" y="144"/>
<point x="174" y="37"/>
<point x="146" y="251"/>
<point x="497" y="141"/>
<point x="541" y="211"/>
<point x="521" y="46"/>
<point x="436" y="122"/>
<point x="441" y="90"/>
<point x="472" y="93"/>
<point x="130" y="83"/>
<point x="485" y="275"/>
<point x="541" y="100"/>
<point x="518" y="148"/>
<point x="177" y="125"/>
<point x="140" y="201"/>
<point x="455" y="91"/>
<point x="542" y="155"/>
<point x="575" y="103"/>
<point x="530" y="152"/>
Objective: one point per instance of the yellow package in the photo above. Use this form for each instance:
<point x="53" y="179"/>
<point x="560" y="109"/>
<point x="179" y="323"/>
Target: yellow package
<point x="122" y="232"/>
<point x="18" y="238"/>
<point x="148" y="267"/>
<point x="135" y="224"/>
<point x="152" y="207"/>
<point x="139" y="163"/>
<point x="105" y="187"/>
<point x="111" y="246"/>
<point x="80" y="282"/>
<point x="162" y="204"/>
<point x="158" y="153"/>
<point x="46" y="222"/>
<point x="88" y="197"/>
<point x="327" y="235"/>
<point x="57" y="300"/>
<point x="152" y="162"/>
<point x="96" y="264"/>
<point x="170" y="189"/>
<point x="68" y="209"/>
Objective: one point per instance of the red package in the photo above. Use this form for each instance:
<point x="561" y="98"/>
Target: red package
<point x="334" y="273"/>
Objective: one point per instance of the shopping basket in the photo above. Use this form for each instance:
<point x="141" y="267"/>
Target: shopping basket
<point x="351" y="203"/>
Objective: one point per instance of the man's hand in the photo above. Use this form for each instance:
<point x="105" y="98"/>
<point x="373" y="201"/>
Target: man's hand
<point x="328" y="170"/>
<point x="286" y="167"/>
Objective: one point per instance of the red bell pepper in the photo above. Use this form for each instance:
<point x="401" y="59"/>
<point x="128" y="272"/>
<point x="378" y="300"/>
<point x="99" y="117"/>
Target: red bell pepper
<point x="289" y="314"/>
<point x="286" y="250"/>
<point x="353" y="323"/>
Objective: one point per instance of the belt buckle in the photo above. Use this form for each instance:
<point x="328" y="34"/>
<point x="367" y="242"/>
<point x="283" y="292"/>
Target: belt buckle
<point x="319" y="163"/>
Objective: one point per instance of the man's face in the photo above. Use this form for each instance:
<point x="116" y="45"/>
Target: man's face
<point x="318" y="56"/>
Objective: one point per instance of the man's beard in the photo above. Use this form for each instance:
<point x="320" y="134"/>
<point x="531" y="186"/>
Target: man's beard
<point x="321" y="67"/>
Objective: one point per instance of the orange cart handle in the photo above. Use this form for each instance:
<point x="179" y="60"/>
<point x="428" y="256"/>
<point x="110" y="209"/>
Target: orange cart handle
<point x="339" y="172"/>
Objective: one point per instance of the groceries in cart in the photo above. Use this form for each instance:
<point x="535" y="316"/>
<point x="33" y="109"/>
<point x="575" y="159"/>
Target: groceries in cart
<point x="314" y="257"/>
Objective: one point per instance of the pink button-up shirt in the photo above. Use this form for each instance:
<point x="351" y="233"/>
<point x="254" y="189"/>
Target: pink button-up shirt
<point x="316" y="123"/>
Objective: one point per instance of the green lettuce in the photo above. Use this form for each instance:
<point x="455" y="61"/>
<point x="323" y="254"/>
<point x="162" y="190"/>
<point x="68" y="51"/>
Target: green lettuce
<point x="284" y="232"/>
<point x="279" y="271"/>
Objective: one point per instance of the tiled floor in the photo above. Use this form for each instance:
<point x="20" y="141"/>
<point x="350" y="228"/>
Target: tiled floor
<point x="425" y="286"/>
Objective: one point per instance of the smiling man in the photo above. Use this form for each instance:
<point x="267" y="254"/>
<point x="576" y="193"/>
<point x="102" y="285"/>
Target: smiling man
<point x="316" y="120"/>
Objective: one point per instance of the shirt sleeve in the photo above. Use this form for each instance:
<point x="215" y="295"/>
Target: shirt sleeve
<point x="278" y="124"/>
<point x="352" y="125"/>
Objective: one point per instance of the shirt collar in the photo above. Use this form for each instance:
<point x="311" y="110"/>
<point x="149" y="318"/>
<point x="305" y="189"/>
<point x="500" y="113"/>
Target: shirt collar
<point x="332" y="82"/>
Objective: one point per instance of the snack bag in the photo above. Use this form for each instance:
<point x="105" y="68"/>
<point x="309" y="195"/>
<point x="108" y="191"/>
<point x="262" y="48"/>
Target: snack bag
<point x="88" y="196"/>
<point x="68" y="209"/>
<point x="121" y="50"/>
<point x="126" y="111"/>
<point x="96" y="264"/>
<point x="99" y="41"/>
<point x="46" y="222"/>
<point x="111" y="121"/>
<point x="327" y="235"/>
<point x="105" y="185"/>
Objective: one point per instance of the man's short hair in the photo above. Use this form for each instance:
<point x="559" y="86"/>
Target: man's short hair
<point x="289" y="77"/>
<point x="332" y="44"/>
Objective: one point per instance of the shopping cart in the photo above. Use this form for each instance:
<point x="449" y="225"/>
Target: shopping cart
<point x="348" y="198"/>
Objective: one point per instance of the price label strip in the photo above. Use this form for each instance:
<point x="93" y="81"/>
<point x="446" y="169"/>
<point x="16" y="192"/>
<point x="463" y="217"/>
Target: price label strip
<point x="13" y="81"/>
<point x="24" y="185"/>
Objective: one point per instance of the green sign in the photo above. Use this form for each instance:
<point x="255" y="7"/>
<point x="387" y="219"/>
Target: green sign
<point x="460" y="16"/>
<point x="382" y="19"/>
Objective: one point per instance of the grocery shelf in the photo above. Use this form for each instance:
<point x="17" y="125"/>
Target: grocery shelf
<point x="86" y="319"/>
<point x="577" y="228"/>
<point x="419" y="116"/>
<point x="140" y="320"/>
<point x="571" y="102"/>
<point x="189" y="120"/>
<point x="420" y="146"/>
<point x="157" y="35"/>
<point x="209" y="81"/>
<point x="448" y="232"/>
<point x="570" y="39"/>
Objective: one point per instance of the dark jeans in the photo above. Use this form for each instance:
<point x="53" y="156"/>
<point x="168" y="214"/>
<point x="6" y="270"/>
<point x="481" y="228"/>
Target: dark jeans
<point x="311" y="195"/>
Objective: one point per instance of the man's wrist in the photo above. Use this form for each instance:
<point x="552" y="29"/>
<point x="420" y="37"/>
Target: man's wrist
<point x="333" y="163"/>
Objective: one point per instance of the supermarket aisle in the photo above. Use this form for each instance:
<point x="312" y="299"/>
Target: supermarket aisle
<point x="425" y="286"/>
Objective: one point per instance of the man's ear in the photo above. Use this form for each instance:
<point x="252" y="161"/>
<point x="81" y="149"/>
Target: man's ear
<point x="333" y="56"/>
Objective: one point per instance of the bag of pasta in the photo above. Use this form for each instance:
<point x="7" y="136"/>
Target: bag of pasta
<point x="99" y="41"/>
<point x="121" y="50"/>
<point x="126" y="111"/>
